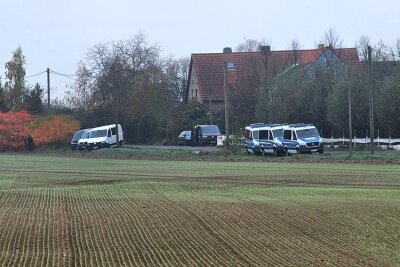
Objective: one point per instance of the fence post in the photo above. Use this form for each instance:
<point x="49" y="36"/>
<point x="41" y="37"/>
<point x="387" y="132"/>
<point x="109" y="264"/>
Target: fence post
<point x="343" y="138"/>
<point x="378" y="138"/>
<point x="355" y="137"/>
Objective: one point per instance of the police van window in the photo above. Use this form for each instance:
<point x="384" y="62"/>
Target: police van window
<point x="247" y="134"/>
<point x="113" y="131"/>
<point x="287" y="135"/>
<point x="255" y="135"/>
<point x="263" y="134"/>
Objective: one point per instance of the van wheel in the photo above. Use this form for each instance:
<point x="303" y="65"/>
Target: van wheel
<point x="286" y="153"/>
<point x="275" y="153"/>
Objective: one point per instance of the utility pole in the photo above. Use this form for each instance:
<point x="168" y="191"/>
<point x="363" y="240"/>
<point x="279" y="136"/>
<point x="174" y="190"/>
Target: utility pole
<point x="350" y="124"/>
<point x="371" y="100"/>
<point x="210" y="105"/>
<point x="48" y="89"/>
<point x="226" y="99"/>
<point x="116" y="90"/>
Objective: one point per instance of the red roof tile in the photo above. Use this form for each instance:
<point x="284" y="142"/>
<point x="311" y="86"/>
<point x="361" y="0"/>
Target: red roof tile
<point x="209" y="67"/>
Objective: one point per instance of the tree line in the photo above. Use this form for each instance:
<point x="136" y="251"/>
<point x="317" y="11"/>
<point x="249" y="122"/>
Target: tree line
<point x="294" y="96"/>
<point x="129" y="81"/>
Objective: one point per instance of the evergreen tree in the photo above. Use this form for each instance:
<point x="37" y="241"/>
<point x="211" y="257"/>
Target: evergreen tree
<point x="34" y="101"/>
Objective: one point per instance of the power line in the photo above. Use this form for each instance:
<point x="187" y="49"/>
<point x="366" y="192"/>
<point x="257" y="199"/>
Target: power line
<point x="64" y="75"/>
<point x="35" y="75"/>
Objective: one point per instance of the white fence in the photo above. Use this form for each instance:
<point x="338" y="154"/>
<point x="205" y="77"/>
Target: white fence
<point x="385" y="143"/>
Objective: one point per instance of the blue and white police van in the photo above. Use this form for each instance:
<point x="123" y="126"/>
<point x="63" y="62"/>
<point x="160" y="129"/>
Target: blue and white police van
<point x="264" y="138"/>
<point x="301" y="138"/>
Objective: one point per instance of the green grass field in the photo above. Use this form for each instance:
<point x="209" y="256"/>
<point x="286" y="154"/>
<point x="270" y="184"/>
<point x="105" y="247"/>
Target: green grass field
<point x="65" y="211"/>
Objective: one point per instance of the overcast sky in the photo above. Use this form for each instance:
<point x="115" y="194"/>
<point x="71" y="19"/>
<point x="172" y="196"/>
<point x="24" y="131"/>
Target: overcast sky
<point x="56" y="34"/>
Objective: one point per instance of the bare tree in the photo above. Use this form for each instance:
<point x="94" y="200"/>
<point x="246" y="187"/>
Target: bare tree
<point x="176" y="74"/>
<point x="397" y="49"/>
<point x="82" y="92"/>
<point x="295" y="46"/>
<point x="331" y="39"/>
<point x="362" y="47"/>
<point x="251" y="45"/>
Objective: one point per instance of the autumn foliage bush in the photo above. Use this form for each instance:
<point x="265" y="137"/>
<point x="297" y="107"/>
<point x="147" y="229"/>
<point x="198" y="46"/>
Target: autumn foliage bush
<point x="46" y="131"/>
<point x="14" y="129"/>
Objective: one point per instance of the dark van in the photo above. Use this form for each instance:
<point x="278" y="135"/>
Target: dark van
<point x="206" y="134"/>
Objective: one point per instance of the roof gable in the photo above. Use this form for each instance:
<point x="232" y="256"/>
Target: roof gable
<point x="209" y="67"/>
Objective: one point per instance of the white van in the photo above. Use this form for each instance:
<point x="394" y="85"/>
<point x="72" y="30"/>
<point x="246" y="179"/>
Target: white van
<point x="105" y="136"/>
<point x="301" y="138"/>
<point x="84" y="139"/>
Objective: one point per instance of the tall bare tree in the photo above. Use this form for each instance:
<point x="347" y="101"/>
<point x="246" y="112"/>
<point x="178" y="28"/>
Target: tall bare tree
<point x="176" y="74"/>
<point x="331" y="39"/>
<point x="362" y="47"/>
<point x="295" y="46"/>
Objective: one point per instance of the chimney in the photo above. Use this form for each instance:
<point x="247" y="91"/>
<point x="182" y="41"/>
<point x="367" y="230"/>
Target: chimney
<point x="227" y="50"/>
<point x="321" y="46"/>
<point x="265" y="49"/>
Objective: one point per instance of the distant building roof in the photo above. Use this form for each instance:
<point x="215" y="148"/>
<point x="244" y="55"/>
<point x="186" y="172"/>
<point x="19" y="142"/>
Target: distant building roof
<point x="209" y="67"/>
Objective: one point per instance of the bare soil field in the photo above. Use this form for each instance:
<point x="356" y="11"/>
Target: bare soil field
<point x="65" y="211"/>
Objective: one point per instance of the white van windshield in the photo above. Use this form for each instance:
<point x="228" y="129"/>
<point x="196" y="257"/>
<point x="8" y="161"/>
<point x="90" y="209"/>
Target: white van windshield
<point x="85" y="135"/>
<point x="307" y="133"/>
<point x="78" y="135"/>
<point x="98" y="133"/>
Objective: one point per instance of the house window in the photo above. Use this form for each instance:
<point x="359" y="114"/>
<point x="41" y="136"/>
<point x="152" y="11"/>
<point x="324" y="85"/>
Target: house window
<point x="194" y="93"/>
<point x="328" y="63"/>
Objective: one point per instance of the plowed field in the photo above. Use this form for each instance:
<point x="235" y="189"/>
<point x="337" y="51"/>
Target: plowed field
<point x="58" y="211"/>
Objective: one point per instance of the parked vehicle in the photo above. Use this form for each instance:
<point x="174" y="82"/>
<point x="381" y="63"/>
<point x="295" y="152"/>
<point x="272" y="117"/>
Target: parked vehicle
<point x="83" y="141"/>
<point x="206" y="134"/>
<point x="75" y="138"/>
<point x="105" y="136"/>
<point x="185" y="138"/>
<point x="302" y="138"/>
<point x="264" y="138"/>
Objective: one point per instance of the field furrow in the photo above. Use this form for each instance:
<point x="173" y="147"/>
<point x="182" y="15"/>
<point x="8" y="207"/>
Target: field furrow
<point x="58" y="211"/>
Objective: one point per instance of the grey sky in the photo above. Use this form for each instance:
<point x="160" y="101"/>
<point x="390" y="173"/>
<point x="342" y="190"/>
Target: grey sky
<point x="58" y="33"/>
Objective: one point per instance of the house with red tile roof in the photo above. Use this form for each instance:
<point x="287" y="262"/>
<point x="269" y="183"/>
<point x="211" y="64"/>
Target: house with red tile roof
<point x="206" y="73"/>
